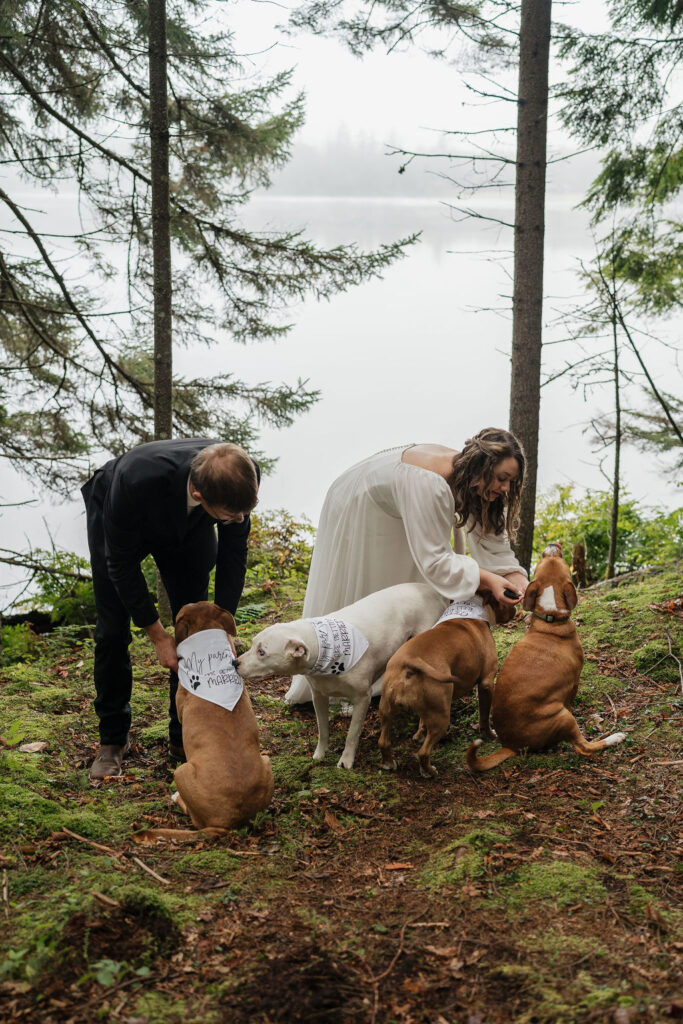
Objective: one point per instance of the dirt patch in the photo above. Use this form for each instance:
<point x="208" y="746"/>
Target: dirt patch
<point x="300" y="984"/>
<point x="135" y="933"/>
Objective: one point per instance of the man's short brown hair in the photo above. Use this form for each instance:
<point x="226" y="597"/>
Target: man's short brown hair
<point x="225" y="477"/>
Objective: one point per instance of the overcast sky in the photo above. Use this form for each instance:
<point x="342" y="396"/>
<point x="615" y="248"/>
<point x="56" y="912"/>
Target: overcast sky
<point x="396" y="98"/>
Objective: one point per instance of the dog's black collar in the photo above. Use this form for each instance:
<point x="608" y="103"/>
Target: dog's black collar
<point x="547" y="617"/>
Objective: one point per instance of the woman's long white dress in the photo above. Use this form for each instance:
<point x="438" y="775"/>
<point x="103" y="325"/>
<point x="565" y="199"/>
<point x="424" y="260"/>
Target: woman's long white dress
<point x="384" y="522"/>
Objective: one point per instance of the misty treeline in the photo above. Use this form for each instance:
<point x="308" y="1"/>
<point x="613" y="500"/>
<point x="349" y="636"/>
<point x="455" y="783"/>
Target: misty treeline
<point x="77" y="367"/>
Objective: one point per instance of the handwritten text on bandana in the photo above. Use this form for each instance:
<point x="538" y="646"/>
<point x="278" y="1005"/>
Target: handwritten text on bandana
<point x="340" y="646"/>
<point x="205" y="668"/>
<point x="465" y="610"/>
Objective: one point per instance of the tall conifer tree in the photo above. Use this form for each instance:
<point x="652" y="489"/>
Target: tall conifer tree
<point x="78" y="369"/>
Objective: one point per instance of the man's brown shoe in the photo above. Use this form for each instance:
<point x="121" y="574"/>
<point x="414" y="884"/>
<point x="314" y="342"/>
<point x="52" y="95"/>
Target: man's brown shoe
<point x="108" y="760"/>
<point x="176" y="752"/>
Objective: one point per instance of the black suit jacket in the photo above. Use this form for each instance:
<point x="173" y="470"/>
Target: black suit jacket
<point x="145" y="511"/>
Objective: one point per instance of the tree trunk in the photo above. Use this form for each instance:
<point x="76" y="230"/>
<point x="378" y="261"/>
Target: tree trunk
<point x="614" y="519"/>
<point x="161" y="242"/>
<point x="527" y="300"/>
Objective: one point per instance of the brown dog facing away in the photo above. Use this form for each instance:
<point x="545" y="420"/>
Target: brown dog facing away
<point x="538" y="680"/>
<point x="429" y="669"/>
<point x="226" y="780"/>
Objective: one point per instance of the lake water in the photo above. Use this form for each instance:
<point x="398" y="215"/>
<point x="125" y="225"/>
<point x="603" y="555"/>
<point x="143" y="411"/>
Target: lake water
<point x="422" y="355"/>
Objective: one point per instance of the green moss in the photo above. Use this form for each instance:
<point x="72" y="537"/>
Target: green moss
<point x="26" y="813"/>
<point x="26" y="675"/>
<point x="558" y="883"/>
<point x="28" y="769"/>
<point x="160" y="1008"/>
<point x="218" y="861"/>
<point x="653" y="659"/>
<point x="565" y="950"/>
<point x="459" y="860"/>
<point x="156" y="733"/>
<point x="554" y="1000"/>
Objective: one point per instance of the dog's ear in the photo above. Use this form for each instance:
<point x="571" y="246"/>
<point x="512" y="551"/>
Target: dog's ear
<point x="227" y="622"/>
<point x="182" y="627"/>
<point x="569" y="594"/>
<point x="530" y="596"/>
<point x="297" y="648"/>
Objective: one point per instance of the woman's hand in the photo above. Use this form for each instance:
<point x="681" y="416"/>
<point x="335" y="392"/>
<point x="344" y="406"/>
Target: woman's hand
<point x="517" y="581"/>
<point x="497" y="585"/>
<point x="164" y="645"/>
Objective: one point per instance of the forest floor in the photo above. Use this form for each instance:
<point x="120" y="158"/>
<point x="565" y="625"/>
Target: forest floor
<point x="547" y="890"/>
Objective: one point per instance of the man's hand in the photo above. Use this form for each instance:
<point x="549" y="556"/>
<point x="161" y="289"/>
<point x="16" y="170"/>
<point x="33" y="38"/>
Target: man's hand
<point x="164" y="645"/>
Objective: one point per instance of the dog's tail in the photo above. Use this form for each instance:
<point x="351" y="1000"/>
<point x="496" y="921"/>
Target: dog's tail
<point x="440" y="673"/>
<point x="179" y="835"/>
<point x="482" y="764"/>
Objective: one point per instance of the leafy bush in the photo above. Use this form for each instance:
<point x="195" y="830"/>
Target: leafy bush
<point x="67" y="599"/>
<point x="645" y="536"/>
<point x="279" y="552"/>
<point x="19" y="643"/>
<point x="280" y="548"/>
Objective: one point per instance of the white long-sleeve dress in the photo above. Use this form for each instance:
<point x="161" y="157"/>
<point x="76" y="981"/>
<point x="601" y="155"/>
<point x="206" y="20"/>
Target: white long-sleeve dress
<point x="384" y="522"/>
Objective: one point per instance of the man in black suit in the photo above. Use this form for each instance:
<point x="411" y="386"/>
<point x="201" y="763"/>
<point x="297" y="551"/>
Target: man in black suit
<point x="166" y="499"/>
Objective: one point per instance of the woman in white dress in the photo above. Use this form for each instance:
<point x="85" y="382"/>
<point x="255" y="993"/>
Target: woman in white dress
<point x="389" y="520"/>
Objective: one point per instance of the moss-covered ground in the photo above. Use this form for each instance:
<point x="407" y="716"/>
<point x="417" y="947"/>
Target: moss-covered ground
<point x="547" y="890"/>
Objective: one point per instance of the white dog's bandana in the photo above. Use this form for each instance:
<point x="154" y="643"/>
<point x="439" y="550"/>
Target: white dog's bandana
<point x="465" y="610"/>
<point x="205" y="668"/>
<point x="340" y="646"/>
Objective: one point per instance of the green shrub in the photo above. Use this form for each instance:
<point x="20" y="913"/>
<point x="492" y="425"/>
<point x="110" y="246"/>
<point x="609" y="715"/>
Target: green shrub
<point x="19" y="643"/>
<point x="645" y="536"/>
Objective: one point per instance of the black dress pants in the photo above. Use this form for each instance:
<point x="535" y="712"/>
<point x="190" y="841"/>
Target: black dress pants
<point x="184" y="569"/>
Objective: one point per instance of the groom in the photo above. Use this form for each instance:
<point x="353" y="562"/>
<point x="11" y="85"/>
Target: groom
<point x="187" y="503"/>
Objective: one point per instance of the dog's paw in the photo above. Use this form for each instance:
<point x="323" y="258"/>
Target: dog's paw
<point x="390" y="766"/>
<point x="175" y="797"/>
<point x="490" y="734"/>
<point x="427" y="774"/>
<point x="319" y="754"/>
<point x="345" y="761"/>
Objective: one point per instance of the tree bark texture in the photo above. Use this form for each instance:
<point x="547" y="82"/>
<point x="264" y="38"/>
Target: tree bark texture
<point x="614" y="518"/>
<point x="527" y="300"/>
<point x="161" y="236"/>
<point x="161" y="244"/>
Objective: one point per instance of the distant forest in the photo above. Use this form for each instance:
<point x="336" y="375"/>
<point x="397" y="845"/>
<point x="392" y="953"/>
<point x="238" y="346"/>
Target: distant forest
<point x="360" y="166"/>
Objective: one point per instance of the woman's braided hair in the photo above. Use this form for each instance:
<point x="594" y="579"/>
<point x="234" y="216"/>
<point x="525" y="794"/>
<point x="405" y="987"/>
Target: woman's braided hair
<point x="476" y="463"/>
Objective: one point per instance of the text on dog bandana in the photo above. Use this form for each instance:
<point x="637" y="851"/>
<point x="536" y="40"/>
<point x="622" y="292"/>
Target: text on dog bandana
<point x="205" y="668"/>
<point x="340" y="646"/>
<point x="465" y="610"/>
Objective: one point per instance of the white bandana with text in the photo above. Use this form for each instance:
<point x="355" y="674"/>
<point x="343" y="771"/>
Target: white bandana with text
<point x="340" y="646"/>
<point x="205" y="668"/>
<point x="465" y="610"/>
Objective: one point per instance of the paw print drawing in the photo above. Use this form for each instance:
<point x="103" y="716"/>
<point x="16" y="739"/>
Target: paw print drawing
<point x="194" y="681"/>
<point x="336" y="668"/>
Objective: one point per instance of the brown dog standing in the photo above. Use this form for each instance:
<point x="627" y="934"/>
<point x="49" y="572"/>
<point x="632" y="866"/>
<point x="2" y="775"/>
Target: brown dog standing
<point x="538" y="680"/>
<point x="226" y="780"/>
<point x="424" y="674"/>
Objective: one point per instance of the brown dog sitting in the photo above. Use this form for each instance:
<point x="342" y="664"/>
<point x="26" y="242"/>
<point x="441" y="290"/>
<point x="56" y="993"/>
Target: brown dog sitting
<point x="538" y="680"/>
<point x="451" y="658"/>
<point x="226" y="780"/>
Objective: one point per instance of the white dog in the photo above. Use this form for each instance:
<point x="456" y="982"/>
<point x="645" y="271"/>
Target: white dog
<point x="342" y="654"/>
